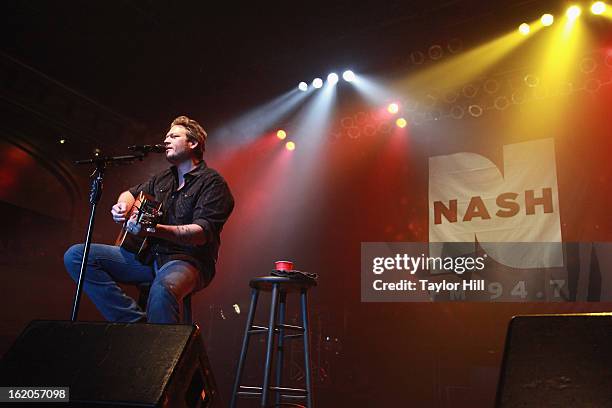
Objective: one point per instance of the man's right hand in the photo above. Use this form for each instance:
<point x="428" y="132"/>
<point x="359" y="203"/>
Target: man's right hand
<point x="119" y="212"/>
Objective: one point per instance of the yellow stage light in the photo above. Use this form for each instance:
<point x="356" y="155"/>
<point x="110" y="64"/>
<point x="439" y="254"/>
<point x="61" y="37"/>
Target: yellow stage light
<point x="573" y="12"/>
<point x="547" y="19"/>
<point x="524" y="29"/>
<point x="599" y="7"/>
<point x="393" y="108"/>
<point x="401" y="122"/>
<point x="281" y="134"/>
<point x="290" y="146"/>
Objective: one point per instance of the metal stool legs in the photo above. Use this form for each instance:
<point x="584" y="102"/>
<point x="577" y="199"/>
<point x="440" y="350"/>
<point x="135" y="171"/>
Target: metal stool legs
<point x="270" y="342"/>
<point x="276" y="326"/>
<point x="304" y="301"/>
<point x="245" y="345"/>
<point x="282" y="308"/>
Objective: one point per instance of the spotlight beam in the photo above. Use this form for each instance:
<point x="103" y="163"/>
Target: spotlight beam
<point x="462" y="68"/>
<point x="308" y="137"/>
<point x="259" y="120"/>
<point x="373" y="90"/>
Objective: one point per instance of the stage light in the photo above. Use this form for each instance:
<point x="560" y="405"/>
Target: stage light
<point x="401" y="123"/>
<point x="501" y="103"/>
<point x="491" y="86"/>
<point x="531" y="80"/>
<point x="457" y="112"/>
<point x="303" y="86"/>
<point x="435" y="52"/>
<point x="454" y="45"/>
<point x="588" y="65"/>
<point x="417" y="57"/>
<point x="518" y="97"/>
<point x="290" y="146"/>
<point x="62" y="141"/>
<point x="332" y="78"/>
<point x="475" y="110"/>
<point x="547" y="19"/>
<point x="524" y="29"/>
<point x="281" y="134"/>
<point x="393" y="108"/>
<point x="451" y="96"/>
<point x="599" y="7"/>
<point x="469" y="90"/>
<point x="317" y="83"/>
<point x="348" y="76"/>
<point x="573" y="12"/>
<point x="592" y="85"/>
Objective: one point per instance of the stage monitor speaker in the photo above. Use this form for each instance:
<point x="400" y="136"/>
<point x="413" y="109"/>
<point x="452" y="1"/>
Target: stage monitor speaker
<point x="113" y="364"/>
<point x="557" y="361"/>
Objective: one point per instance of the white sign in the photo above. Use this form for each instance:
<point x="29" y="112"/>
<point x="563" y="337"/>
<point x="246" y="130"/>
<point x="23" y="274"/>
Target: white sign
<point x="471" y="199"/>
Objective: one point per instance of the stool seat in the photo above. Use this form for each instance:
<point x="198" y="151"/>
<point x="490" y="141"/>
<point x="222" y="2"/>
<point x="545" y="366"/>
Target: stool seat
<point x="265" y="283"/>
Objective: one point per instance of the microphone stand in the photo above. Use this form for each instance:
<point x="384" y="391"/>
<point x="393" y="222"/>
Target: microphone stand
<point x="94" y="197"/>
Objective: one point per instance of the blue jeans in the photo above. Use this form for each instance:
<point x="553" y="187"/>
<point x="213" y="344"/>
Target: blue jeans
<point x="107" y="265"/>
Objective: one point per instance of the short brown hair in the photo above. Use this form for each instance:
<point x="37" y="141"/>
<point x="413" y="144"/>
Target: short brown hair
<point x="195" y="132"/>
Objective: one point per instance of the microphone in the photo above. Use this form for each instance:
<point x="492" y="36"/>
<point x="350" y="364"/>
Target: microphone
<point x="158" y="148"/>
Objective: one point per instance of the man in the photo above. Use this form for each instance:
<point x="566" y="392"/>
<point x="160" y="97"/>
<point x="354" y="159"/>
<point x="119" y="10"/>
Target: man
<point x="196" y="203"/>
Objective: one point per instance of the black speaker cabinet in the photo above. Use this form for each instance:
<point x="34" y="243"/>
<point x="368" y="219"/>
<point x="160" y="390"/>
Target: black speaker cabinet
<point x="557" y="361"/>
<point x="113" y="364"/>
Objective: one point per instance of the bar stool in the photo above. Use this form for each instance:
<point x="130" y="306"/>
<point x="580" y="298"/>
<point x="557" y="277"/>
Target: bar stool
<point x="143" y="298"/>
<point x="280" y="287"/>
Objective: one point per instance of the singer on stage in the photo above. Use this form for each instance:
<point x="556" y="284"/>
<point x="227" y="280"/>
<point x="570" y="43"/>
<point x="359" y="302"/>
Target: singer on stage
<point x="196" y="203"/>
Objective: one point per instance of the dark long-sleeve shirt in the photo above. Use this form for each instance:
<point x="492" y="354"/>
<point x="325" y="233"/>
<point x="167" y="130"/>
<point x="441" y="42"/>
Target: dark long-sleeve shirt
<point x="205" y="200"/>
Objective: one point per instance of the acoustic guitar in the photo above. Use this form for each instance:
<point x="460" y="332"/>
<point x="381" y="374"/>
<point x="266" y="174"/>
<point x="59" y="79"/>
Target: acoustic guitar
<point x="146" y="212"/>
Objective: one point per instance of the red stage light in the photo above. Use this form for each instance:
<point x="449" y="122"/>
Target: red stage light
<point x="290" y="146"/>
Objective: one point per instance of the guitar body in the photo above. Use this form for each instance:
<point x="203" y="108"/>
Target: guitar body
<point x="146" y="210"/>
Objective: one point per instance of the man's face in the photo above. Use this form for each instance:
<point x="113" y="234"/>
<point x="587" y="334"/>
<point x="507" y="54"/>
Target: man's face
<point x="178" y="146"/>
